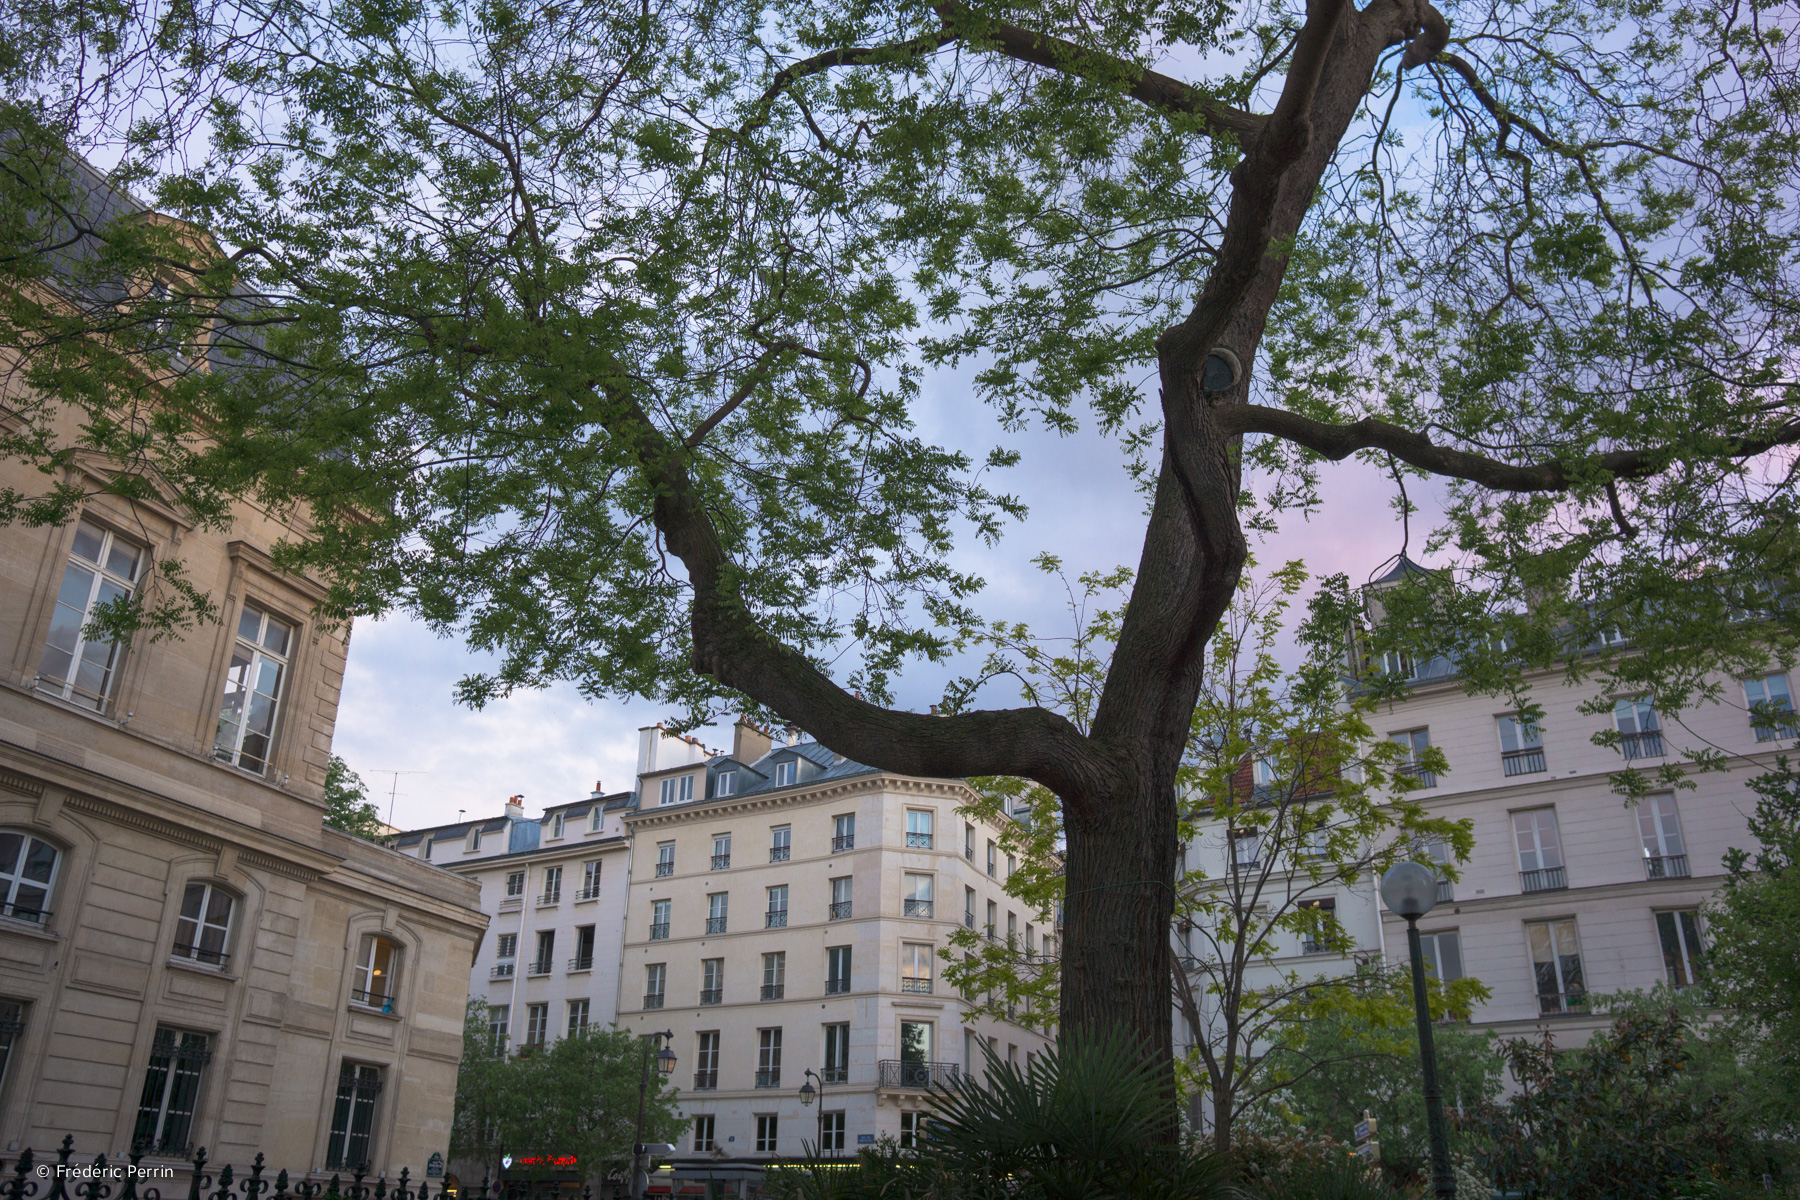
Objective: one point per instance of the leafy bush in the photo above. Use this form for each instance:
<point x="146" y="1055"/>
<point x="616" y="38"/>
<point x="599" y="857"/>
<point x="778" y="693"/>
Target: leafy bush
<point x="1304" y="1168"/>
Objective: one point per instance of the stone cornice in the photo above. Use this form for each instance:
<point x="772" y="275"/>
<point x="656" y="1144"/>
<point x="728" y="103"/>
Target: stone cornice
<point x="800" y="795"/>
<point x="511" y="858"/>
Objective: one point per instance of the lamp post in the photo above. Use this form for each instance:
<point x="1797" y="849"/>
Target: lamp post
<point x="1411" y="890"/>
<point x="665" y="1065"/>
<point x="807" y="1092"/>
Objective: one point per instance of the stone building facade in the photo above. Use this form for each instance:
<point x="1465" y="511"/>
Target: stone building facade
<point x="187" y="955"/>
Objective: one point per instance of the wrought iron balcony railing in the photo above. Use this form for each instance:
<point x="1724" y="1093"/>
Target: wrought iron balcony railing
<point x="1546" y="880"/>
<point x="588" y="893"/>
<point x="539" y="966"/>
<point x="659" y="931"/>
<point x="969" y="853"/>
<point x="1562" y="1003"/>
<point x="779" y="853"/>
<point x="775" y="919"/>
<point x="721" y="862"/>
<point x="199" y="954"/>
<point x="1648" y="744"/>
<point x="653" y="999"/>
<point x="664" y="868"/>
<point x="503" y="970"/>
<point x="373" y="999"/>
<point x="716" y="924"/>
<point x="918" y="908"/>
<point x="1446" y="891"/>
<point x="774" y="991"/>
<point x="844" y="842"/>
<point x="835" y="987"/>
<point x="897" y="1074"/>
<point x="582" y="962"/>
<point x="921" y="986"/>
<point x="769" y="1079"/>
<point x="840" y="910"/>
<point x="968" y="920"/>
<point x="710" y="996"/>
<point x="1414" y="771"/>
<point x="1522" y="762"/>
<point x="834" y="1074"/>
<point x="1666" y="866"/>
<point x="705" y="1081"/>
<point x="918" y="841"/>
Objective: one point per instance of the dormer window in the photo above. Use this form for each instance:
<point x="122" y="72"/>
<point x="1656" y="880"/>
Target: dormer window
<point x="1264" y="772"/>
<point x="678" y="790"/>
<point x="785" y="772"/>
<point x="594" y="818"/>
<point x="725" y="783"/>
<point x="556" y="825"/>
<point x="102" y="570"/>
<point x="474" y="839"/>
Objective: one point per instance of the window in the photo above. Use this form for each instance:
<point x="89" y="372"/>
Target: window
<point x="837" y="1053"/>
<point x="1659" y="827"/>
<point x="556" y="826"/>
<point x="1682" y="949"/>
<point x="718" y="909"/>
<point x="515" y="884"/>
<point x="712" y="981"/>
<point x="706" y="1062"/>
<point x="595" y="815"/>
<point x="785" y="772"/>
<point x="780" y="838"/>
<point x="831" y="1131"/>
<point x="27" y="872"/>
<point x="992" y="857"/>
<point x="1414" y="742"/>
<point x="1540" y="850"/>
<point x="840" y="897"/>
<point x="918" y="829"/>
<point x="425" y="849"/>
<point x="506" y="945"/>
<point x="205" y="922"/>
<point x="590" y="881"/>
<point x="659" y="920"/>
<point x="1521" y="747"/>
<point x="1246" y="846"/>
<point x="968" y="908"/>
<point x="584" y="949"/>
<point x="1319" y="940"/>
<point x="665" y="859"/>
<point x="1012" y="864"/>
<point x="374" y="976"/>
<point x="1012" y="928"/>
<point x="475" y="841"/>
<point x="968" y="841"/>
<point x="499" y="1025"/>
<point x="721" y="855"/>
<point x="578" y="1018"/>
<point x="703" y="1131"/>
<point x="677" y="791"/>
<point x="1443" y="955"/>
<point x="1771" y="707"/>
<point x="552" y="893"/>
<point x="165" y="1118"/>
<point x="1556" y="960"/>
<point x="971" y="1055"/>
<point x="843" y="832"/>
<point x="837" y="970"/>
<point x="537" y="1024"/>
<point x="912" y="1129"/>
<point x="656" y="979"/>
<point x="766" y="1127"/>
<point x="253" y="684"/>
<point x="1263" y="771"/>
<point x="915" y="967"/>
<point x="725" y="783"/>
<point x="915" y="1054"/>
<point x="1640" y="735"/>
<point x="917" y="901"/>
<point x="101" y="572"/>
<point x="993" y="918"/>
<point x="774" y="984"/>
<point x="768" y="1058"/>
<point x="545" y="957"/>
<point x="353" y="1117"/>
<point x="776" y="918"/>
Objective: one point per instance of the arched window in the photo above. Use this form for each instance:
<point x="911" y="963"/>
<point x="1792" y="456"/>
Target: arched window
<point x="204" y="930"/>
<point x="27" y="873"/>
<point x="377" y="970"/>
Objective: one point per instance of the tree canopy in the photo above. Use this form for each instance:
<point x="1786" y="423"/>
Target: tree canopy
<point x="593" y="331"/>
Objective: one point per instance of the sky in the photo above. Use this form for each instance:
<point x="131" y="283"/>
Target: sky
<point x="432" y="760"/>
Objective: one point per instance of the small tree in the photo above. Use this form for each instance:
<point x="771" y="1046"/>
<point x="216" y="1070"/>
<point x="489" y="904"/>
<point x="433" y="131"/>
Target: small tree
<point x="347" y="805"/>
<point x="575" y="1097"/>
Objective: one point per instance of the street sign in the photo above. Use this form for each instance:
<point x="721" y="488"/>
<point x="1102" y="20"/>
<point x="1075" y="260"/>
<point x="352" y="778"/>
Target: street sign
<point x="506" y="1163"/>
<point x="434" y="1166"/>
<point x="1365" y="1130"/>
<point x="1369" y="1151"/>
<point x="865" y="1139"/>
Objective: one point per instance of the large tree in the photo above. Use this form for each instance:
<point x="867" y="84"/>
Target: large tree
<point x="593" y="330"/>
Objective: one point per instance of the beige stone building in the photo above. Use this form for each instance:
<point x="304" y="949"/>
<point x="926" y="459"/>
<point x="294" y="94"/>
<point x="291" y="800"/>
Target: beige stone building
<point x="188" y="956"/>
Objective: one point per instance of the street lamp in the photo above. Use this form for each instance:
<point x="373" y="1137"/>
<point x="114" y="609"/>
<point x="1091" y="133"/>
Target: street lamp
<point x="665" y="1065"/>
<point x="1411" y="890"/>
<point x="807" y="1093"/>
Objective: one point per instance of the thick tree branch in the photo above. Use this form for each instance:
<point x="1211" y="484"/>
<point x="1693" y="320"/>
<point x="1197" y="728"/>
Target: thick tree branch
<point x="1336" y="442"/>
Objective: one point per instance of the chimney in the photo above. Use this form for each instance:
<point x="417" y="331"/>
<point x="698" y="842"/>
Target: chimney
<point x="515" y="807"/>
<point x="749" y="742"/>
<point x="598" y="790"/>
<point x="793" y="734"/>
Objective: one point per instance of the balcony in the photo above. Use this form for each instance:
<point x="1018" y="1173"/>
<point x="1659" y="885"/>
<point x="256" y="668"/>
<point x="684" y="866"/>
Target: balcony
<point x="1522" y="762"/>
<point x="918" y="908"/>
<point x="968" y="920"/>
<point x="653" y="1000"/>
<point x="834" y="1075"/>
<point x="840" y="910"/>
<point x="1418" y="774"/>
<point x="721" y="862"/>
<point x="502" y="970"/>
<point x="591" y="893"/>
<point x="918" y="841"/>
<point x="664" y="869"/>
<point x="659" y="931"/>
<point x="1546" y="880"/>
<point x="846" y="841"/>
<point x="769" y="1079"/>
<point x="550" y="899"/>
<point x="779" y="853"/>
<point x="1558" y="1004"/>
<point x="969" y="853"/>
<point x="1666" y="866"/>
<point x="373" y="999"/>
<point x="1308" y="946"/>
<point x="1446" y="891"/>
<point x="836" y="987"/>
<point x="540" y="966"/>
<point x="774" y="991"/>
<point x="918" y="986"/>
<point x="919" y="1076"/>
<point x="1648" y="744"/>
<point x="582" y="962"/>
<point x="711" y="996"/>
<point x="706" y="1081"/>
<point x="715" y="924"/>
<point x="775" y="920"/>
